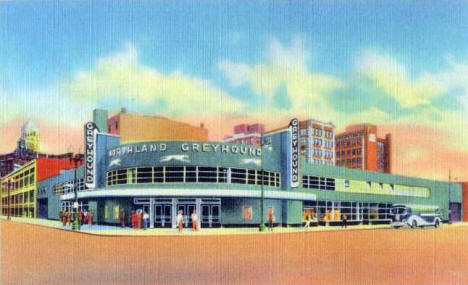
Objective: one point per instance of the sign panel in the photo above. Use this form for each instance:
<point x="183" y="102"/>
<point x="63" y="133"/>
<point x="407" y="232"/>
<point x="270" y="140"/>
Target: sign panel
<point x="91" y="131"/>
<point x="294" y="127"/>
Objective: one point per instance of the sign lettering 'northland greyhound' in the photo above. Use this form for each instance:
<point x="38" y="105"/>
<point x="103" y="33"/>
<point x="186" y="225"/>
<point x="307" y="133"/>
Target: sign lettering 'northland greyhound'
<point x="294" y="127"/>
<point x="91" y="131"/>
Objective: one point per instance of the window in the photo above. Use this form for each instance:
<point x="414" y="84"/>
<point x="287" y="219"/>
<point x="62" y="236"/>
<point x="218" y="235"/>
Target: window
<point x="346" y="183"/>
<point x="207" y="174"/>
<point x="131" y="176"/>
<point x="158" y="175"/>
<point x="191" y="174"/>
<point x="222" y="175"/>
<point x="174" y="174"/>
<point x="145" y="175"/>
<point x="238" y="175"/>
<point x="251" y="176"/>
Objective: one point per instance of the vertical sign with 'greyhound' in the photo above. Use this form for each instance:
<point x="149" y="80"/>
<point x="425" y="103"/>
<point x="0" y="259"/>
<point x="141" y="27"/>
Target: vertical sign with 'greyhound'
<point x="91" y="131"/>
<point x="294" y="127"/>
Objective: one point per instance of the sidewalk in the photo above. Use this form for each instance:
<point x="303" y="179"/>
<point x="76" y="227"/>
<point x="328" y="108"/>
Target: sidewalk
<point x="118" y="231"/>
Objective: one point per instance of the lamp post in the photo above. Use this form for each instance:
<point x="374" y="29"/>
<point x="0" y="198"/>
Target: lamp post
<point x="75" y="159"/>
<point x="262" y="226"/>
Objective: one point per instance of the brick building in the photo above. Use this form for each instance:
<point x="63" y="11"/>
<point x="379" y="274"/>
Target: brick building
<point x="136" y="127"/>
<point x="359" y="147"/>
<point x="246" y="134"/>
<point x="317" y="140"/>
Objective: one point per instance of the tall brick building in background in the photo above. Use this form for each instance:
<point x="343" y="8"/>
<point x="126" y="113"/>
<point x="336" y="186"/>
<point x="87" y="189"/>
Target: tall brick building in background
<point x="246" y="134"/>
<point x="317" y="140"/>
<point x="359" y="147"/>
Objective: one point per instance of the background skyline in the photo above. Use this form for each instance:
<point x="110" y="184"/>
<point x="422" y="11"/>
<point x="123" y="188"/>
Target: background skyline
<point x="402" y="66"/>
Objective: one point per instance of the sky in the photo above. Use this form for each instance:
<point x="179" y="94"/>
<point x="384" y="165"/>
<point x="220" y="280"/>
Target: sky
<point x="402" y="65"/>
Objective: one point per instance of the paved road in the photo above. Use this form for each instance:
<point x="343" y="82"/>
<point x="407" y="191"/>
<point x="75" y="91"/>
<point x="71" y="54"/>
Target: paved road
<point x="34" y="254"/>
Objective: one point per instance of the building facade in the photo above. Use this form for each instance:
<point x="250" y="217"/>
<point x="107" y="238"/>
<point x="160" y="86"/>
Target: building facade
<point x="224" y="182"/>
<point x="136" y="127"/>
<point x="246" y="134"/>
<point x="359" y="147"/>
<point x="19" y="189"/>
<point x="317" y="140"/>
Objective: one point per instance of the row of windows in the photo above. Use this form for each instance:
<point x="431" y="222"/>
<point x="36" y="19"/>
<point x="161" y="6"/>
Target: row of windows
<point x="67" y="187"/>
<point x="334" y="210"/>
<point x="192" y="174"/>
<point x="26" y="197"/>
<point x="19" y="181"/>
<point x="314" y="182"/>
<point x="320" y="161"/>
<point x="19" y="212"/>
<point x="348" y="143"/>
<point x="349" y="152"/>
<point x="349" y="162"/>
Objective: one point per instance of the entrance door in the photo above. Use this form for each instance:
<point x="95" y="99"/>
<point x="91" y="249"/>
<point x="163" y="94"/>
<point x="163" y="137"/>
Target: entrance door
<point x="210" y="216"/>
<point x="187" y="210"/>
<point x="163" y="216"/>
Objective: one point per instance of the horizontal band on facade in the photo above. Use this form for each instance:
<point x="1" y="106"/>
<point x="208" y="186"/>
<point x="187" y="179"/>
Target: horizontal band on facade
<point x="178" y="192"/>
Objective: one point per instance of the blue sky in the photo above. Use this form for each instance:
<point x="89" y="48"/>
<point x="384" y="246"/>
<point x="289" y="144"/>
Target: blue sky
<point x="392" y="63"/>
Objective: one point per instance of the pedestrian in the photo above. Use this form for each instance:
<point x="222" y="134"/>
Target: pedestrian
<point x="271" y="218"/>
<point x="80" y="217"/>
<point x="145" y="220"/>
<point x="132" y="219"/>
<point x="90" y="219"/>
<point x="85" y="217"/>
<point x="69" y="218"/>
<point x="307" y="224"/>
<point x="62" y="220"/>
<point x="194" y="220"/>
<point x="139" y="218"/>
<point x="122" y="218"/>
<point x="344" y="221"/>
<point x="180" y="220"/>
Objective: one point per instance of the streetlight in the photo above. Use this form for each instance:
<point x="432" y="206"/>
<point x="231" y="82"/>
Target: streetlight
<point x="262" y="201"/>
<point x="75" y="159"/>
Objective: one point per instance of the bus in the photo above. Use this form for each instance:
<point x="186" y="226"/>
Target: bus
<point x="415" y="216"/>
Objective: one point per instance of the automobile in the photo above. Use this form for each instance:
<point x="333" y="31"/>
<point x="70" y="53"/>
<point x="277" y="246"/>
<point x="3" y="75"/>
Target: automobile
<point x="415" y="216"/>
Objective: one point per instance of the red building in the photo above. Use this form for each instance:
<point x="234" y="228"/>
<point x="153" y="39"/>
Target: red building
<point x="359" y="147"/>
<point x="246" y="134"/>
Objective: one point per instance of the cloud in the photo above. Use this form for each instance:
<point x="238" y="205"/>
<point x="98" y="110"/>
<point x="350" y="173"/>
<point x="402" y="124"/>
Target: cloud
<point x="391" y="78"/>
<point x="283" y="85"/>
<point x="236" y="73"/>
<point x="120" y="76"/>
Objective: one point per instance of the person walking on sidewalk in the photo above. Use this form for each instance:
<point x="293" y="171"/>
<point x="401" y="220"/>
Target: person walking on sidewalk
<point x="307" y="224"/>
<point x="344" y="221"/>
<point x="122" y="218"/>
<point x="180" y="220"/>
<point x="194" y="221"/>
<point x="90" y="219"/>
<point x="271" y="218"/>
<point x="145" y="220"/>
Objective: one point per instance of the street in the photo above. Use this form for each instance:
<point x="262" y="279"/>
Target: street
<point x="33" y="254"/>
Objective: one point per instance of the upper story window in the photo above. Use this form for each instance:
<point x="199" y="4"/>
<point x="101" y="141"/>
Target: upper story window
<point x="192" y="174"/>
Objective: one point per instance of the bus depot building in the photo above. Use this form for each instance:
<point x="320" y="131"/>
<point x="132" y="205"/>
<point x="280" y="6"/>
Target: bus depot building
<point x="224" y="182"/>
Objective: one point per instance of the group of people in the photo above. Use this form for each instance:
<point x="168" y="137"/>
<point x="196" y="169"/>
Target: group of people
<point x="180" y="220"/>
<point x="311" y="217"/>
<point x="84" y="217"/>
<point x="138" y="219"/>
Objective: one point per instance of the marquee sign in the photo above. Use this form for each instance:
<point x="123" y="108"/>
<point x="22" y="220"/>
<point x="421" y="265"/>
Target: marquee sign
<point x="91" y="131"/>
<point x="184" y="148"/>
<point x="294" y="127"/>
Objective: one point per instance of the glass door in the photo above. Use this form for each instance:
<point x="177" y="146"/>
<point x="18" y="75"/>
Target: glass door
<point x="163" y="216"/>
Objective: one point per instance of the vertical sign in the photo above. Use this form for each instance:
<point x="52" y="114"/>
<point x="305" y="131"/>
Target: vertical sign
<point x="294" y="127"/>
<point x="91" y="131"/>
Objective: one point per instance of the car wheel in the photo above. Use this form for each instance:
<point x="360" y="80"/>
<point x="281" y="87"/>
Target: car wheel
<point x="436" y="225"/>
<point x="414" y="224"/>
